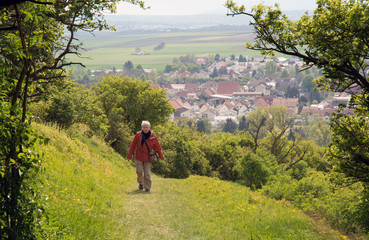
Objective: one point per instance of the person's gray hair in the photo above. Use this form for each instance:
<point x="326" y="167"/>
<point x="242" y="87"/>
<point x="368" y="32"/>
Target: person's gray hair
<point x="145" y="123"/>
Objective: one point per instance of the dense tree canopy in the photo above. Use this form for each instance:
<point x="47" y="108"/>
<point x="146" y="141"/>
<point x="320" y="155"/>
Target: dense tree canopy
<point x="131" y="101"/>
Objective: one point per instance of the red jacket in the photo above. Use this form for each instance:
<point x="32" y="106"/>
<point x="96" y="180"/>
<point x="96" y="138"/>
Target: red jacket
<point x="141" y="153"/>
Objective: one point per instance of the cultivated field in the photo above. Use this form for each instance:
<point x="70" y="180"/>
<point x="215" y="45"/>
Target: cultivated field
<point x="107" y="50"/>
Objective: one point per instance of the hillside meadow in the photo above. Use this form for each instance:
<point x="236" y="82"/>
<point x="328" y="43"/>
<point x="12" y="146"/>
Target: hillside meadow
<point x="107" y="50"/>
<point x="90" y="192"/>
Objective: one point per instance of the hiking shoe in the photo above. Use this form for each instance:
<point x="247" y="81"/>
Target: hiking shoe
<point x="141" y="187"/>
<point x="147" y="190"/>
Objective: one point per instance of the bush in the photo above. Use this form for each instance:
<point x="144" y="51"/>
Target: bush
<point x="299" y="170"/>
<point x="177" y="149"/>
<point x="256" y="170"/>
<point x="363" y="211"/>
<point x="224" y="152"/>
<point x="280" y="186"/>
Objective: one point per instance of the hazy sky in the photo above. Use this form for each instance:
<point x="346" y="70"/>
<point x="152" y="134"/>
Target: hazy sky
<point x="187" y="7"/>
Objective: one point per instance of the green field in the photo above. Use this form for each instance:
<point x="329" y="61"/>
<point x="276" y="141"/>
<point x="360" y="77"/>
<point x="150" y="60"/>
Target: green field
<point x="108" y="50"/>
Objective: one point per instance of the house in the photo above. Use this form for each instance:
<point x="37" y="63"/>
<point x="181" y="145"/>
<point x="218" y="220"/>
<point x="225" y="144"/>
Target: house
<point x="207" y="93"/>
<point x="290" y="103"/>
<point x="283" y="84"/>
<point x="262" y="88"/>
<point x="226" y="109"/>
<point x="182" y="94"/>
<point x="246" y="110"/>
<point x="138" y="51"/>
<point x="200" y="60"/>
<point x="205" y="107"/>
<point x="234" y="75"/>
<point x="227" y="88"/>
<point x="200" y="74"/>
<point x="178" y="87"/>
<point x="260" y="102"/>
<point x="179" y="106"/>
<point x="239" y="105"/>
<point x="189" y="114"/>
<point x="242" y="110"/>
<point x="185" y="74"/>
<point x="211" y="114"/>
<point x="247" y="95"/>
<point x="191" y="86"/>
<point x="192" y="96"/>
<point x="209" y="84"/>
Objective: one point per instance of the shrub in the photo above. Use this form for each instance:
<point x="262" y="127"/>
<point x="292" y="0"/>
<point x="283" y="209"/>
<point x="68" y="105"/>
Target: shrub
<point x="255" y="170"/>
<point x="363" y="211"/>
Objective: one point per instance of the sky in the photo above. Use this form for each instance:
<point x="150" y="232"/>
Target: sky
<point x="188" y="7"/>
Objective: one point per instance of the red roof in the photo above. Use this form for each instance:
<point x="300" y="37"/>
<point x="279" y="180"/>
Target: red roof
<point x="182" y="94"/>
<point x="288" y="102"/>
<point x="228" y="105"/>
<point x="228" y="87"/>
<point x="209" y="84"/>
<point x="167" y="86"/>
<point x="177" y="103"/>
<point x="260" y="102"/>
<point x="155" y="85"/>
<point x="191" y="86"/>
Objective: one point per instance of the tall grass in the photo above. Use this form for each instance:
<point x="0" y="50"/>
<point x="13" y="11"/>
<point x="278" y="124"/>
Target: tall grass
<point x="85" y="183"/>
<point x="92" y="194"/>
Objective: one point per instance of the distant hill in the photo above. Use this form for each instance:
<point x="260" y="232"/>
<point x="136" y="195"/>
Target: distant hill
<point x="162" y="23"/>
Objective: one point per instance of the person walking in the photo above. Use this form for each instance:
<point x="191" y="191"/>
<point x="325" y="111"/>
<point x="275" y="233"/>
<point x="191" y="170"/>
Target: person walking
<point x="142" y="159"/>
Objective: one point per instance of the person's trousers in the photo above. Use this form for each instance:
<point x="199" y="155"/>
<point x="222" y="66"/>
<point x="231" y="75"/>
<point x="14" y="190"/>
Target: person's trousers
<point x="143" y="173"/>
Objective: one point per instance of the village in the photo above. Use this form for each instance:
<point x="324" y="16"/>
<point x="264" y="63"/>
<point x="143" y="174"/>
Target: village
<point x="228" y="96"/>
<point x="229" y="99"/>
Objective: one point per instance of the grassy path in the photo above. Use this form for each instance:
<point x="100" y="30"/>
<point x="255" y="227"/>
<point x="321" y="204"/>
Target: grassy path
<point x="146" y="215"/>
<point x="203" y="208"/>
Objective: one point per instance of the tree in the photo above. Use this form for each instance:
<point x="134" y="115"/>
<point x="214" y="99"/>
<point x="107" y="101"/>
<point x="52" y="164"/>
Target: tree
<point x="168" y="68"/>
<point x="257" y="120"/>
<point x="292" y="92"/>
<point x="307" y="82"/>
<point x="243" y="125"/>
<point x="204" y="125"/>
<point x="191" y="67"/>
<point x="284" y="73"/>
<point x="230" y="126"/>
<point x="71" y="103"/>
<point x="131" y="101"/>
<point x="153" y="76"/>
<point x="35" y="39"/>
<point x="270" y="68"/>
<point x="217" y="57"/>
<point x="128" y="65"/>
<point x="320" y="132"/>
<point x="334" y="38"/>
<point x="215" y="73"/>
<point x="241" y="58"/>
<point x="160" y="46"/>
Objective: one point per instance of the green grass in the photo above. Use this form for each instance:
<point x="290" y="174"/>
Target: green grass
<point x="92" y="194"/>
